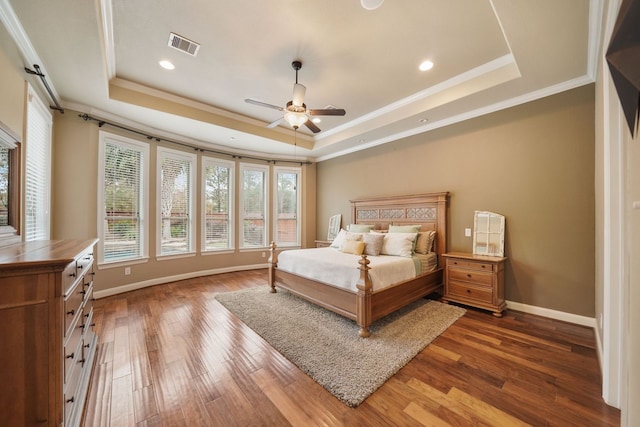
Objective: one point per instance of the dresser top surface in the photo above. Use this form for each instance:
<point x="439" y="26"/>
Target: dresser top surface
<point x="472" y="257"/>
<point x="45" y="253"/>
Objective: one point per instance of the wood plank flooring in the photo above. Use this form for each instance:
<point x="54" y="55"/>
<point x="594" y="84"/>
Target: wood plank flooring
<point x="171" y="355"/>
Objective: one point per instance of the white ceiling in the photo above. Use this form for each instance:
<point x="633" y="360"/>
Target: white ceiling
<point x="101" y="57"/>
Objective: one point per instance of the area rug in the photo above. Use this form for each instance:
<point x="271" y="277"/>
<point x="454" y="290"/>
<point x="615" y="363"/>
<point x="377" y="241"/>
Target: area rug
<point x="327" y="347"/>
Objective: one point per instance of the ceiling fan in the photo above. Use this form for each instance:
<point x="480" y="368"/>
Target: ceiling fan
<point x="296" y="112"/>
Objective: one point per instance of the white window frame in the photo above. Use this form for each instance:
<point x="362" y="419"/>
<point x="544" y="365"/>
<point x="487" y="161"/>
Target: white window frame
<point x="103" y="138"/>
<point x="37" y="167"/>
<point x="264" y="169"/>
<point x="163" y="153"/>
<point x="298" y="172"/>
<point x="215" y="162"/>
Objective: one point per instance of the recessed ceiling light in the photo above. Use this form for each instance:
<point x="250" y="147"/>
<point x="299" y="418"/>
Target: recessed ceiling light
<point x="316" y="120"/>
<point x="371" y="4"/>
<point x="167" y="65"/>
<point x="426" y="65"/>
<point x="423" y="120"/>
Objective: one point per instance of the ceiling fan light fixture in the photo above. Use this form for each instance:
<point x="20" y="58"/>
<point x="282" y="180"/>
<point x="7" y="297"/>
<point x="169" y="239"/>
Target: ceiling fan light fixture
<point x="295" y="119"/>
<point x="371" y="4"/>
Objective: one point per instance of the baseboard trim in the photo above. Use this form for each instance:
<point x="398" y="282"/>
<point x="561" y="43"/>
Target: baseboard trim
<point x="540" y="311"/>
<point x="553" y="314"/>
<point x="167" y="279"/>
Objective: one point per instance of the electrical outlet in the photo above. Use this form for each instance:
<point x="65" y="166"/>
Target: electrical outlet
<point x="264" y="254"/>
<point x="127" y="271"/>
<point x="467" y="232"/>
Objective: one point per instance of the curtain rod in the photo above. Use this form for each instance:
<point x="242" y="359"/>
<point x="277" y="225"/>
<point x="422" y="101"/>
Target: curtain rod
<point x="38" y="73"/>
<point x="101" y="123"/>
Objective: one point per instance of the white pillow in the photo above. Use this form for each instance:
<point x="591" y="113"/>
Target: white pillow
<point x="339" y="240"/>
<point x="343" y="236"/>
<point x="398" y="244"/>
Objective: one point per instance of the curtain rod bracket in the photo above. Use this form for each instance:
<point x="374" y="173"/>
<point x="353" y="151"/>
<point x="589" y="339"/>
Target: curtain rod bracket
<point x="38" y="73"/>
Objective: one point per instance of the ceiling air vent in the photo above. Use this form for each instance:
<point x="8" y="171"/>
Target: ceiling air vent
<point x="185" y="45"/>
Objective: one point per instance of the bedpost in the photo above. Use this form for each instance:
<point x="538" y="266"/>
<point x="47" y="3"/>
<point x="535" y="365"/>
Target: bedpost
<point x="363" y="301"/>
<point x="273" y="263"/>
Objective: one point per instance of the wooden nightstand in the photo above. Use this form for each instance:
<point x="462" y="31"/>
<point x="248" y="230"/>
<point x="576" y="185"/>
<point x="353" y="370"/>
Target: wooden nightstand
<point x="323" y="243"/>
<point x="475" y="280"/>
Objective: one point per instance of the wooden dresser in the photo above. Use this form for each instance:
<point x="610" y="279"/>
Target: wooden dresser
<point x="46" y="331"/>
<point x="475" y="280"/>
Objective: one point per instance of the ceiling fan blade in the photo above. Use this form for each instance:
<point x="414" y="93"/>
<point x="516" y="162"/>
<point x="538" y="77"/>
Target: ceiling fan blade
<point x="275" y="123"/>
<point x="298" y="94"/>
<point x="263" y="104"/>
<point x="327" y="112"/>
<point x="312" y="126"/>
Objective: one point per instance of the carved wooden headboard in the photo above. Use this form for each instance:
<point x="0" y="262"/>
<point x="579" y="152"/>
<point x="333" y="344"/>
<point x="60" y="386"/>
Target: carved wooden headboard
<point x="429" y="210"/>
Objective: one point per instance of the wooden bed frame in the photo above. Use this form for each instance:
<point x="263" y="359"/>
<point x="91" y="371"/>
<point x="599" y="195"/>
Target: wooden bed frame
<point x="365" y="305"/>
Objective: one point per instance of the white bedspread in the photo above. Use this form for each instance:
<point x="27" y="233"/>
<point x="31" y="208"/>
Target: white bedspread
<point x="329" y="265"/>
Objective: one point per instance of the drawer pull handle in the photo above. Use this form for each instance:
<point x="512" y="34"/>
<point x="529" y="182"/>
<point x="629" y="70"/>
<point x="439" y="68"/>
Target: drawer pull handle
<point x="87" y="345"/>
<point x="80" y="266"/>
<point x="71" y="312"/>
<point x="70" y="356"/>
<point x="83" y="292"/>
<point x="81" y="361"/>
<point x="72" y="275"/>
<point x="70" y="400"/>
<point x="468" y="291"/>
<point x="87" y="315"/>
<point x="468" y="275"/>
<point x="484" y="266"/>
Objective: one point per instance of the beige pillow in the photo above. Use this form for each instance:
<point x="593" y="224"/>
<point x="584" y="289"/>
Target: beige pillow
<point x="424" y="242"/>
<point x="353" y="247"/>
<point x="398" y="244"/>
<point x="373" y="243"/>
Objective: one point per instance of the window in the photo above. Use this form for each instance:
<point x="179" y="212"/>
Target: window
<point x="253" y="205"/>
<point x="122" y="199"/>
<point x="37" y="185"/>
<point x="9" y="187"/>
<point x="176" y="183"/>
<point x="217" y="204"/>
<point x="287" y="206"/>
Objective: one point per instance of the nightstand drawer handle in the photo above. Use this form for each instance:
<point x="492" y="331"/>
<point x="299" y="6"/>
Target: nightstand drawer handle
<point x="468" y="275"/>
<point x="468" y="291"/>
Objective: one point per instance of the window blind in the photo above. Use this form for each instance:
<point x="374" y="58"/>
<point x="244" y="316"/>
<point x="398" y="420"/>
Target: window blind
<point x="218" y="205"/>
<point x="287" y="226"/>
<point x="253" y="211"/>
<point x="123" y="196"/>
<point x="37" y="187"/>
<point x="176" y="200"/>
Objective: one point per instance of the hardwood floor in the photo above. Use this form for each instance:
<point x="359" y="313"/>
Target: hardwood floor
<point x="171" y="355"/>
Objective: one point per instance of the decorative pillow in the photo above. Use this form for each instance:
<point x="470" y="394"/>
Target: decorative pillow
<point x="360" y="228"/>
<point x="373" y="243"/>
<point x="339" y="240"/>
<point x="398" y="244"/>
<point x="424" y="242"/>
<point x="353" y="247"/>
<point x="404" y="228"/>
<point x="343" y="236"/>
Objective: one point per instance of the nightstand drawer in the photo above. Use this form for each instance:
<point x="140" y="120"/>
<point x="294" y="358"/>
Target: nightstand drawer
<point x="471" y="265"/>
<point x="471" y="276"/>
<point x="467" y="291"/>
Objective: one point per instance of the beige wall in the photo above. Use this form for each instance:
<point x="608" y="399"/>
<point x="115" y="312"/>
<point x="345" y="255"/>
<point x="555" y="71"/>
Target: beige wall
<point x="533" y="163"/>
<point x="75" y="185"/>
<point x="12" y="85"/>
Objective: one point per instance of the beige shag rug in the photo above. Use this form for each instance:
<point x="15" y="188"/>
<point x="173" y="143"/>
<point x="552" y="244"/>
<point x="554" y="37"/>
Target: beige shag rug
<point x="327" y="347"/>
